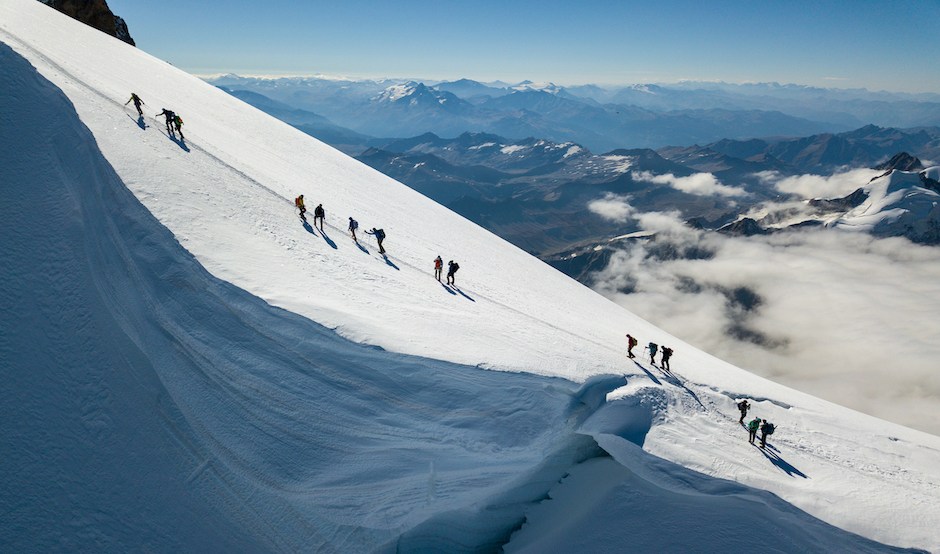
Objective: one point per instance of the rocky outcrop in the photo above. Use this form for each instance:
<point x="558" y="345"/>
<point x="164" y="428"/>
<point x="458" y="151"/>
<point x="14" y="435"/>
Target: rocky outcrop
<point x="94" y="13"/>
<point x="929" y="183"/>
<point x="121" y="32"/>
<point x="840" y="204"/>
<point x="744" y="227"/>
<point x="902" y="162"/>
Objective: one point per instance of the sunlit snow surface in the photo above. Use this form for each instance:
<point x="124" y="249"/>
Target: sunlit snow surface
<point x="187" y="367"/>
<point x="890" y="198"/>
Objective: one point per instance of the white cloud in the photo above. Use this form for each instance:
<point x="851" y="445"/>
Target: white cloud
<point x="817" y="186"/>
<point x="613" y="207"/>
<point x="664" y="222"/>
<point x="843" y="316"/>
<point x="702" y="184"/>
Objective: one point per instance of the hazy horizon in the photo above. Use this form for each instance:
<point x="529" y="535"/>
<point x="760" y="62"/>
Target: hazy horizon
<point x="828" y="45"/>
<point x="432" y="81"/>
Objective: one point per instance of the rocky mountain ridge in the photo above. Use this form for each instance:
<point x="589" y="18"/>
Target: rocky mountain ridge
<point x="825" y="153"/>
<point x="94" y="13"/>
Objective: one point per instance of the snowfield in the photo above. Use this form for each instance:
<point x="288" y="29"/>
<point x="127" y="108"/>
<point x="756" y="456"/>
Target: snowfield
<point x="188" y="367"/>
<point x="897" y="196"/>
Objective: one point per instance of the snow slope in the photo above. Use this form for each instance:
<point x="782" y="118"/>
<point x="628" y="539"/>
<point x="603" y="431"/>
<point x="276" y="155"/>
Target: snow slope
<point x="897" y="200"/>
<point x="187" y="367"/>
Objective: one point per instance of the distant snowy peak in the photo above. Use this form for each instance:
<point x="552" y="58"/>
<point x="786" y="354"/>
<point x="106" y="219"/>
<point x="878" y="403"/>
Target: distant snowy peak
<point x="894" y="204"/>
<point x="550" y="88"/>
<point x="897" y="204"/>
<point x="649" y="89"/>
<point x="415" y="94"/>
<point x="395" y="93"/>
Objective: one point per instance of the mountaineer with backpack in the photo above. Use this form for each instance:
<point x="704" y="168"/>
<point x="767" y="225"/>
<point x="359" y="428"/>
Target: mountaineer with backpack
<point x="767" y="428"/>
<point x="743" y="406"/>
<point x="667" y="353"/>
<point x="653" y="347"/>
<point x="452" y="268"/>
<point x="438" y="266"/>
<point x="178" y="121"/>
<point x="170" y="119"/>
<point x="752" y="427"/>
<point x="299" y="204"/>
<point x="318" y="213"/>
<point x="379" y="235"/>
<point x="137" y="102"/>
<point x="631" y="342"/>
<point x="353" y="225"/>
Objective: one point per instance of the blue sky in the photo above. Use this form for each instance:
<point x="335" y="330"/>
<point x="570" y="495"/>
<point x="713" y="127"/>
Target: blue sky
<point x="886" y="45"/>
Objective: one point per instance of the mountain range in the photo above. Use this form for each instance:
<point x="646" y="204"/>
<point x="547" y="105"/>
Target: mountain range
<point x="649" y="116"/>
<point x="536" y="192"/>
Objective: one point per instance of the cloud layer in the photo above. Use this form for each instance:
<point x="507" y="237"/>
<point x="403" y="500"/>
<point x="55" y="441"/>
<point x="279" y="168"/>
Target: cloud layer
<point x="817" y="186"/>
<point x="842" y="316"/>
<point x="613" y="207"/>
<point x="702" y="184"/>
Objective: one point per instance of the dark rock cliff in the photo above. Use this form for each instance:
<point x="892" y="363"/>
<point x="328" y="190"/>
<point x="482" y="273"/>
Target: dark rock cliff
<point x="94" y="13"/>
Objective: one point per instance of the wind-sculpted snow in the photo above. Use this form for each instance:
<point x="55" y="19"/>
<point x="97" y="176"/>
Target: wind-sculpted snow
<point x="678" y="511"/>
<point x="187" y="367"/>
<point x="321" y="442"/>
<point x="95" y="447"/>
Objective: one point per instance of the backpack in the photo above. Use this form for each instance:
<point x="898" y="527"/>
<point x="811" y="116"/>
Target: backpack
<point x="353" y="224"/>
<point x="632" y="342"/>
<point x="297" y="201"/>
<point x="454" y="267"/>
<point x="380" y="234"/>
<point x="770" y="428"/>
<point x="753" y="425"/>
<point x="742" y="404"/>
<point x="178" y="119"/>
